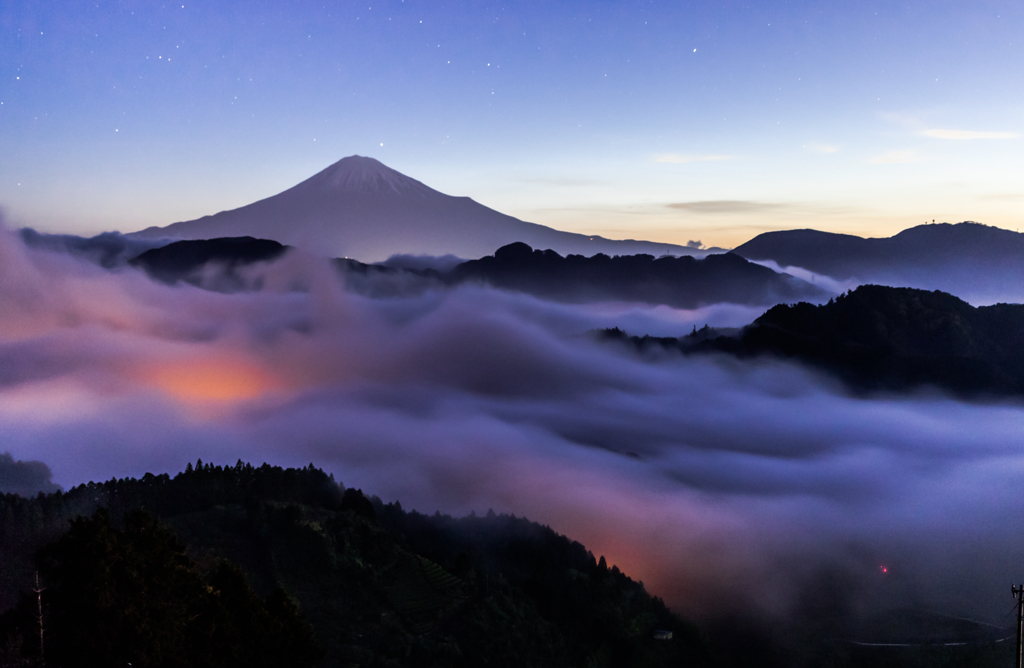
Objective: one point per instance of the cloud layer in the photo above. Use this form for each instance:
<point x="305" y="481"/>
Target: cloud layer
<point x="720" y="484"/>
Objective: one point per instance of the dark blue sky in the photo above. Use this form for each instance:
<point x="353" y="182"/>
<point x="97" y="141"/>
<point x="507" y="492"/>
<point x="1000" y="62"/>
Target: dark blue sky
<point x="594" y="116"/>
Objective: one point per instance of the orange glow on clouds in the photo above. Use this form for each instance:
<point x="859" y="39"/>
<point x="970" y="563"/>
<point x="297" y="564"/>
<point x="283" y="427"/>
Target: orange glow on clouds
<point x="211" y="380"/>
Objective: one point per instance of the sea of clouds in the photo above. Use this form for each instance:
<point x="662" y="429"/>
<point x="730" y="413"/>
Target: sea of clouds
<point x="722" y="484"/>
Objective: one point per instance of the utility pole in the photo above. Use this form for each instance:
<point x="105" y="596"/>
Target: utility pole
<point x="39" y="599"/>
<point x="1018" y="592"/>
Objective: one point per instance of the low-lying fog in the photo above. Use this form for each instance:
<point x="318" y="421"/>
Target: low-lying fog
<point x="722" y="485"/>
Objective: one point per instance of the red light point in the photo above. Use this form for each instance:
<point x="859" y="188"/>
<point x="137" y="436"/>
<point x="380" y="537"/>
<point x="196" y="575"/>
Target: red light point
<point x="884" y="569"/>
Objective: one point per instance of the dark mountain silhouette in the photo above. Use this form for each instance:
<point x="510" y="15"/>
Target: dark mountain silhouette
<point x="216" y="264"/>
<point x="683" y="282"/>
<point x="980" y="263"/>
<point x="227" y="563"/>
<point x="882" y="338"/>
<point x="360" y="208"/>
<point x="182" y="259"/>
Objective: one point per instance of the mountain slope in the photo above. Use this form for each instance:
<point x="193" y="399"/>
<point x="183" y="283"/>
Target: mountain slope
<point x="382" y="587"/>
<point x="362" y="209"/>
<point x="982" y="264"/>
<point x="882" y="338"/>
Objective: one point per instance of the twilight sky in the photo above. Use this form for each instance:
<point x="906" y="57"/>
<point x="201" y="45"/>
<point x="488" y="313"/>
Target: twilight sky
<point x="664" y="120"/>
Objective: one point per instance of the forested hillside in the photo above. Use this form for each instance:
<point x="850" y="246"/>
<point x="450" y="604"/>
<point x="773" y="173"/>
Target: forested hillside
<point x="881" y="338"/>
<point x="270" y="566"/>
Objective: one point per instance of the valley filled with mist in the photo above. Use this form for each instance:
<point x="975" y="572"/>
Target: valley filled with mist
<point x="758" y="487"/>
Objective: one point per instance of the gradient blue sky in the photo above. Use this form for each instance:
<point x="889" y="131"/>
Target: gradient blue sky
<point x="663" y="120"/>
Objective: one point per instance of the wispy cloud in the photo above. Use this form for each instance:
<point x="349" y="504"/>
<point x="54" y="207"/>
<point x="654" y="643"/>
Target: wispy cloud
<point x="893" y="157"/>
<point x="562" y="182"/>
<point x="822" y="148"/>
<point x="727" y="206"/>
<point x="944" y="133"/>
<point x="679" y="158"/>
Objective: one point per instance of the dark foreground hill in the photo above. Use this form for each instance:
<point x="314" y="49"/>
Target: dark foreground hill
<point x="880" y="338"/>
<point x="683" y="282"/>
<point x="977" y="262"/>
<point x="222" y="566"/>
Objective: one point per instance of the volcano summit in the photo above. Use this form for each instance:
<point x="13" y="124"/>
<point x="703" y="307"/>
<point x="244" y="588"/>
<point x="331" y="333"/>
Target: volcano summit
<point x="360" y="208"/>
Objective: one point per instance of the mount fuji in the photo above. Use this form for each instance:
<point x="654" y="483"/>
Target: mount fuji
<point x="360" y="208"/>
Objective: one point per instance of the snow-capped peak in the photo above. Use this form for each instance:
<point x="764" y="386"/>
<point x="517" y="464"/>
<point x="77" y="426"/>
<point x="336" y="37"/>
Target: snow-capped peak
<point x="358" y="174"/>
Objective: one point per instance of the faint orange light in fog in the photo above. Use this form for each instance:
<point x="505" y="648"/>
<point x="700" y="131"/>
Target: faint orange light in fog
<point x="211" y="380"/>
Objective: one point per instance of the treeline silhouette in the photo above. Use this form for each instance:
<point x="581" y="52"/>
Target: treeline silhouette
<point x="246" y="565"/>
<point x="881" y="338"/>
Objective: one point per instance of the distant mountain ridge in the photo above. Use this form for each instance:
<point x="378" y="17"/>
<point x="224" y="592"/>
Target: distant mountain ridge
<point x="977" y="262"/>
<point x="362" y="209"/>
<point x="179" y="260"/>
<point x="681" y="282"/>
